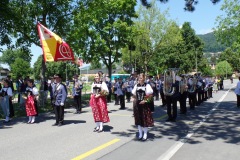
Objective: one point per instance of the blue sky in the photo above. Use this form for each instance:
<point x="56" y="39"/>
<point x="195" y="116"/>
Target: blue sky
<point x="202" y="19"/>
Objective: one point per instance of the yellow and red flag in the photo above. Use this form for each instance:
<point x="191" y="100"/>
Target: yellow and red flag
<point x="54" y="48"/>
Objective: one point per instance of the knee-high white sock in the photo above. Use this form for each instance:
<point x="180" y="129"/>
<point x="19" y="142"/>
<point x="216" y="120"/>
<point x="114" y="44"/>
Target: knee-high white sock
<point x="33" y="119"/>
<point x="30" y="119"/>
<point x="140" y="131"/>
<point x="100" y="125"/>
<point x="145" y="130"/>
<point x="97" y="125"/>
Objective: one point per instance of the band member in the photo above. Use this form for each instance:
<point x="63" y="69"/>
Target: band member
<point x="162" y="93"/>
<point x="199" y="91"/>
<point x="183" y="95"/>
<point x="142" y="113"/>
<point x="77" y="93"/>
<point x="120" y="93"/>
<point x="192" y="84"/>
<point x="172" y="101"/>
<point x="59" y="98"/>
<point x="210" y="86"/>
<point x="19" y="83"/>
<point x="6" y="99"/>
<point x="31" y="101"/>
<point x="115" y="91"/>
<point x="129" y="86"/>
<point x="98" y="103"/>
<point x="158" y="83"/>
<point x="154" y="88"/>
<point x="109" y="85"/>
<point x="237" y="92"/>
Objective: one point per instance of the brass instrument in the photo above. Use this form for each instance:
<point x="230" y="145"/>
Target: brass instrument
<point x="193" y="86"/>
<point x="183" y="84"/>
<point x="169" y="80"/>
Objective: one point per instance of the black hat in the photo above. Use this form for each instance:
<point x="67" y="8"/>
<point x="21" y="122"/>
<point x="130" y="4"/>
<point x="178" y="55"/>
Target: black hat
<point x="57" y="76"/>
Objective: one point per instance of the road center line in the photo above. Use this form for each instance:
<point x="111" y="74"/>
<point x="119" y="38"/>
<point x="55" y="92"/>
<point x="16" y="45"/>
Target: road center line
<point x="174" y="148"/>
<point x="84" y="155"/>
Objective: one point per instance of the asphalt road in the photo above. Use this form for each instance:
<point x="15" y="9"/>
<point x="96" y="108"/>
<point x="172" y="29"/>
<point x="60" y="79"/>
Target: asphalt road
<point x="210" y="132"/>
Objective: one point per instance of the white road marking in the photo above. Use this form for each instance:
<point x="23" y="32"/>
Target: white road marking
<point x="174" y="148"/>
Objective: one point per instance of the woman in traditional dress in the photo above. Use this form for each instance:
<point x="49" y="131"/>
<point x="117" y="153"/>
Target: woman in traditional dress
<point x="142" y="93"/>
<point x="31" y="101"/>
<point x="98" y="103"/>
<point x="6" y="99"/>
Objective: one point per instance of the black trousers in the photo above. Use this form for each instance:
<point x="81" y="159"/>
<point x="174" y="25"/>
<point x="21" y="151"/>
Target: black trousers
<point x="238" y="100"/>
<point x="171" y="107"/>
<point x="128" y="96"/>
<point x="156" y="94"/>
<point x="59" y="113"/>
<point x="183" y="105"/>
<point x="199" y="97"/>
<point x="163" y="98"/>
<point x="11" y="109"/>
<point x="210" y="92"/>
<point x="192" y="100"/>
<point x="116" y="99"/>
<point x="122" y="101"/>
<point x="109" y="96"/>
<point x="78" y="102"/>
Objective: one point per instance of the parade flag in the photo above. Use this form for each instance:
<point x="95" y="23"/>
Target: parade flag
<point x="54" y="48"/>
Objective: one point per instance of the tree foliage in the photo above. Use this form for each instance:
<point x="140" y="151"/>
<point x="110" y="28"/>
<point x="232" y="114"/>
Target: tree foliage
<point x="223" y="68"/>
<point x="232" y="57"/>
<point x="66" y="69"/>
<point x="9" y="56"/>
<point x="20" y="67"/>
<point x="228" y="28"/>
<point x="189" y="4"/>
<point x="102" y="28"/>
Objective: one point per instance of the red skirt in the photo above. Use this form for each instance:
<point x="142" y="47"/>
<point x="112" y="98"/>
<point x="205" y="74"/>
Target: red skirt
<point x="99" y="109"/>
<point x="31" y="106"/>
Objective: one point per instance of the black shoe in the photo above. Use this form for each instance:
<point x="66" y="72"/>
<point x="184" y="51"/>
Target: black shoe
<point x="173" y="120"/>
<point x="100" y="130"/>
<point x="55" y="124"/>
<point x="182" y="113"/>
<point x="60" y="124"/>
<point x="122" y="108"/>
<point x="168" y="120"/>
<point x="95" y="129"/>
<point x="140" y="138"/>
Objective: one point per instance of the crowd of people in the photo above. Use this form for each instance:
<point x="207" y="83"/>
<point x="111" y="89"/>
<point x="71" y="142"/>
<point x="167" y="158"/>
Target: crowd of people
<point x="138" y="89"/>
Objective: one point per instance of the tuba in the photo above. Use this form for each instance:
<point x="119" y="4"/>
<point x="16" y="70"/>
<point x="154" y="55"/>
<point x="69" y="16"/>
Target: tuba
<point x="169" y="80"/>
<point x="183" y="84"/>
<point x="193" y="86"/>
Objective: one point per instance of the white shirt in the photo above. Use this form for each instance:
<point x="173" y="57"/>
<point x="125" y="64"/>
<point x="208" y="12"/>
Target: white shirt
<point x="147" y="91"/>
<point x="8" y="90"/>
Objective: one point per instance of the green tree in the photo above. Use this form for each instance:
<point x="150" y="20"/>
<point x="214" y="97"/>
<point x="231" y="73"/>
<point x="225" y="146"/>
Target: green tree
<point x="228" y="28"/>
<point x="95" y="65"/>
<point x="223" y="68"/>
<point x="66" y="69"/>
<point x="20" y="67"/>
<point x="189" y="4"/>
<point x="232" y="57"/>
<point x="9" y="56"/>
<point x="150" y="27"/>
<point x="101" y="29"/>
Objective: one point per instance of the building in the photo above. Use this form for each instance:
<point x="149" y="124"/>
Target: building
<point x="4" y="72"/>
